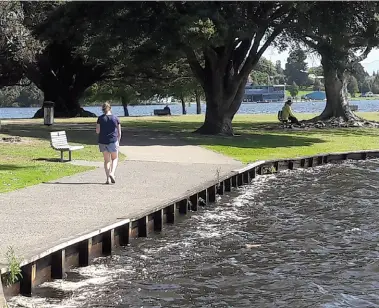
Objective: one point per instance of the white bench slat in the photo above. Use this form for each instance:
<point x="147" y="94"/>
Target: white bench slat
<point x="60" y="144"/>
<point x="58" y="134"/>
<point x="59" y="139"/>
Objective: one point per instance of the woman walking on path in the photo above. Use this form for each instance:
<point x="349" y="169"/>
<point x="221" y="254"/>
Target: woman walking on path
<point x="108" y="128"/>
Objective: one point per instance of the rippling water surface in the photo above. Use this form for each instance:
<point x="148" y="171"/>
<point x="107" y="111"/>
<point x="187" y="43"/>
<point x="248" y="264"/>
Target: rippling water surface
<point x="146" y="110"/>
<point x="299" y="239"/>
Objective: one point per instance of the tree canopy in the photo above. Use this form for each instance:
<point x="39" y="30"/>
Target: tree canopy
<point x="17" y="46"/>
<point x="352" y="86"/>
<point x="343" y="35"/>
<point x="179" y="48"/>
<point x="296" y="68"/>
<point x="222" y="42"/>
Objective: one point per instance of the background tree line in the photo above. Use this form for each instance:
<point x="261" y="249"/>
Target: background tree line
<point x="296" y="74"/>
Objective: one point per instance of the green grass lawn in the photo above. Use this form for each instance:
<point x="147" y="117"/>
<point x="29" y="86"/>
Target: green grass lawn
<point x="27" y="163"/>
<point x="258" y="137"/>
<point x="33" y="161"/>
<point x="259" y="145"/>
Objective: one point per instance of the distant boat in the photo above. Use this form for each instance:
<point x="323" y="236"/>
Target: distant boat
<point x="316" y="96"/>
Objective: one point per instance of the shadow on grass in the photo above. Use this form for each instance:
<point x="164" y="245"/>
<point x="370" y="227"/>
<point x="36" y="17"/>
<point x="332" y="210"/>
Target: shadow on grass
<point x="173" y="133"/>
<point x="50" y="160"/>
<point x="346" y="132"/>
<point x="83" y="133"/>
<point x="256" y="141"/>
<point x="4" y="167"/>
<point x="147" y="133"/>
<point x="341" y="132"/>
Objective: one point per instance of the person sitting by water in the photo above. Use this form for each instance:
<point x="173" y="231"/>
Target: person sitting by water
<point x="287" y="113"/>
<point x="167" y="108"/>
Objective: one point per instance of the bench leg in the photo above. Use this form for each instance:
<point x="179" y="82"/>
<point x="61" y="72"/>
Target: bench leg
<point x="69" y="155"/>
<point x="61" y="156"/>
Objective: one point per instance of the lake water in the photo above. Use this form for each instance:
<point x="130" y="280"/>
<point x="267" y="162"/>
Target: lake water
<point x="146" y="110"/>
<point x="306" y="238"/>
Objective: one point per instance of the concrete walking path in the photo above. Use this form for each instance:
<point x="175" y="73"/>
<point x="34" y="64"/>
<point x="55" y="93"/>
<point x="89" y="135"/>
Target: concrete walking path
<point x="142" y="146"/>
<point x="36" y="218"/>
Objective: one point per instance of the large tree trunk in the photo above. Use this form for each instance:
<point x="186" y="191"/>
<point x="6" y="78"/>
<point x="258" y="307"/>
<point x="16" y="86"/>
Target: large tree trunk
<point x="125" y="106"/>
<point x="221" y="108"/>
<point x="337" y="105"/>
<point x="223" y="77"/>
<point x="66" y="102"/>
<point x="198" y="102"/>
<point x="184" y="111"/>
<point x="63" y="79"/>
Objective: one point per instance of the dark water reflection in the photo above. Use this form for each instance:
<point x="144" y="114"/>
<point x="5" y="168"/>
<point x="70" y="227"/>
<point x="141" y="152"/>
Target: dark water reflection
<point x="300" y="239"/>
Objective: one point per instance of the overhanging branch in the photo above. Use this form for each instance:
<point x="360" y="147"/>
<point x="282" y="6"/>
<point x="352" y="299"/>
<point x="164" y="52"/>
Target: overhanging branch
<point x="281" y="11"/>
<point x="243" y="53"/>
<point x="254" y="54"/>
<point x="363" y="55"/>
<point x="194" y="64"/>
<point x="257" y="41"/>
<point x="310" y="43"/>
<point x="211" y="54"/>
<point x="111" y="77"/>
<point x="225" y="59"/>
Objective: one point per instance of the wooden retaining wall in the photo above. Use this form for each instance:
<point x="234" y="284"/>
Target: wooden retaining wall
<point x="53" y="263"/>
<point x="3" y="303"/>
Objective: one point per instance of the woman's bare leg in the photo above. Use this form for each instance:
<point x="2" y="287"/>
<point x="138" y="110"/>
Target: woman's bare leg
<point x="114" y="157"/>
<point x="107" y="164"/>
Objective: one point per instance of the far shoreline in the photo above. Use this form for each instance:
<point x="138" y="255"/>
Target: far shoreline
<point x="203" y="103"/>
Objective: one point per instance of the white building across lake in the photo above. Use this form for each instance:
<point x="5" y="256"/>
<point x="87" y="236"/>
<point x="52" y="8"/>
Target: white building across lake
<point x="264" y="93"/>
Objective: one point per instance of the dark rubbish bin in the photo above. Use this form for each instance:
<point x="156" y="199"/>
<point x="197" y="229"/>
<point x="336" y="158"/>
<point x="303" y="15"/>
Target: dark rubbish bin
<point x="48" y="113"/>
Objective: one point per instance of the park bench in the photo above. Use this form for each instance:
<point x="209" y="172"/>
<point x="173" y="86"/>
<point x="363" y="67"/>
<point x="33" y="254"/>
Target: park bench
<point x="59" y="143"/>
<point x="162" y="112"/>
<point x="280" y="118"/>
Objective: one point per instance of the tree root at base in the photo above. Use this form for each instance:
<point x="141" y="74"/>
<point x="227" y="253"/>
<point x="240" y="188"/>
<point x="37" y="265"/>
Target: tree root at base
<point x="335" y="122"/>
<point x="206" y="130"/>
<point x="66" y="114"/>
